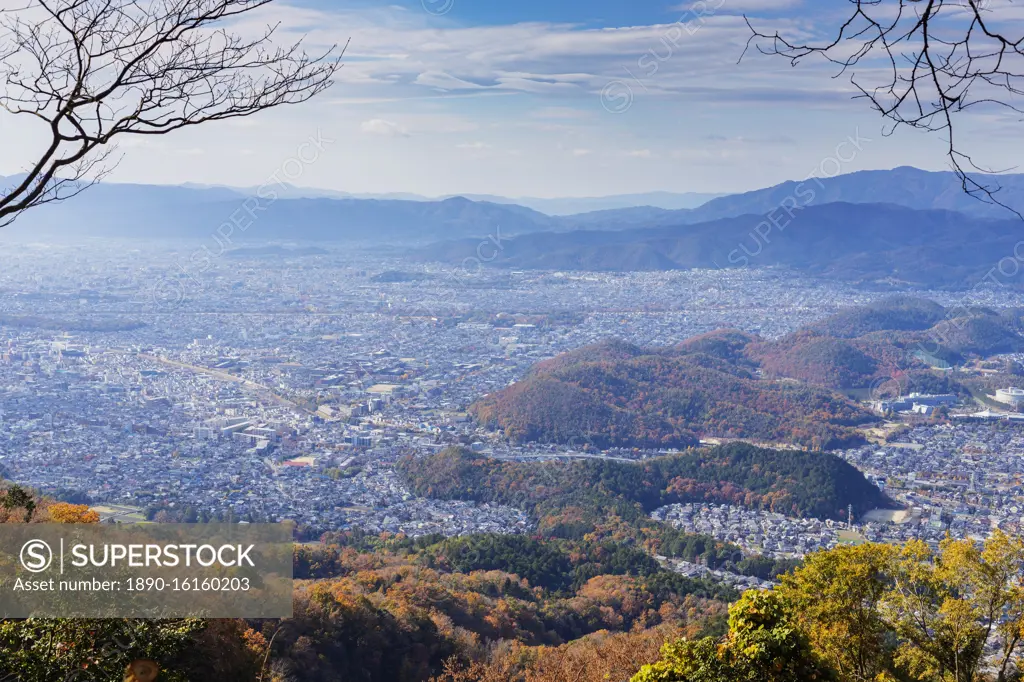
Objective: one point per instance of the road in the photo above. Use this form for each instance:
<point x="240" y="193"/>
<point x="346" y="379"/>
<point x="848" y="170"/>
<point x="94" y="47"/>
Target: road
<point x="226" y="376"/>
<point x="563" y="455"/>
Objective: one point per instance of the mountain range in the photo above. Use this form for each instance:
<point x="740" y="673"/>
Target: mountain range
<point x="903" y="186"/>
<point x="877" y="244"/>
<point x="111" y="210"/>
<point x="900" y="225"/>
<point x="551" y="206"/>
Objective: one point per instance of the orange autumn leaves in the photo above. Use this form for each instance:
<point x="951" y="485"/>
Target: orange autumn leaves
<point x="18" y="505"/>
<point x="63" y="512"/>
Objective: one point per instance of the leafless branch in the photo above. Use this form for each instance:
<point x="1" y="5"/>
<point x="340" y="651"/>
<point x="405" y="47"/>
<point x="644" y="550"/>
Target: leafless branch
<point x="91" y="71"/>
<point x="921" y="63"/>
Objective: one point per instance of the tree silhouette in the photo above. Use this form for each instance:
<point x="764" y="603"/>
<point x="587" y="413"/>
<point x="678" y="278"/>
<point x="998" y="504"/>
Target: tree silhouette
<point x="922" y="63"/>
<point x="17" y="497"/>
<point x="91" y="71"/>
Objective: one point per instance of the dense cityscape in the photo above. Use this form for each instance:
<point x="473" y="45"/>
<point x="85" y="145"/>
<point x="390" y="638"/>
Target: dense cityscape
<point x="286" y="387"/>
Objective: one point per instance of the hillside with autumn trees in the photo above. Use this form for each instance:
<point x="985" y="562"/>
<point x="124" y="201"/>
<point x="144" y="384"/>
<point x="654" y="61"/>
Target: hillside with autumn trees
<point x="859" y="347"/>
<point x="618" y="395"/>
<point x="395" y="609"/>
<point x="391" y="608"/>
<point x="595" y="493"/>
<point x="729" y="384"/>
<point x="387" y="609"/>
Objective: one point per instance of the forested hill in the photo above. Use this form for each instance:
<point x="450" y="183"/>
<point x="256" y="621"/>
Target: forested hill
<point x="860" y="346"/>
<point x="807" y="484"/>
<point x="621" y="395"/>
<point x="730" y="384"/>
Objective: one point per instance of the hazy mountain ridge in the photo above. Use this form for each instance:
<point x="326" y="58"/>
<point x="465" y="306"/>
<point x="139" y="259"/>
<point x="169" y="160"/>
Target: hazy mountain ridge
<point x="864" y="243"/>
<point x="180" y="213"/>
<point x="904" y="186"/>
<point x="554" y="206"/>
<point x="281" y="211"/>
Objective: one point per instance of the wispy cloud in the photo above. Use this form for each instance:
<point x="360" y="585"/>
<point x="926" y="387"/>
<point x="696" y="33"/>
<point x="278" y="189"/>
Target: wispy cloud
<point x="516" y="108"/>
<point x="400" y="55"/>
<point x="736" y="6"/>
<point x="378" y="126"/>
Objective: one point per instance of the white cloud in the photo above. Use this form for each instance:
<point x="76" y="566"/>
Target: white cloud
<point x="402" y="55"/>
<point x="445" y="81"/>
<point x="561" y="113"/>
<point x="708" y="7"/>
<point x="531" y="93"/>
<point x="378" y="126"/>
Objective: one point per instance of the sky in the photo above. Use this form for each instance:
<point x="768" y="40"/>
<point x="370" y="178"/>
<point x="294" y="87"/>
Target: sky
<point x="545" y="98"/>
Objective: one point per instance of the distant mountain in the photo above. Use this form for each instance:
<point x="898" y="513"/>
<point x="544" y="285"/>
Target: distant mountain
<point x="133" y="196"/>
<point x="285" y="212"/>
<point x="865" y="243"/>
<point x="550" y="206"/>
<point x="289" y="191"/>
<point x="867" y="345"/>
<point x="294" y="213"/>
<point x="155" y="212"/>
<point x="566" y="206"/>
<point x="904" y="186"/>
<point x="625" y="218"/>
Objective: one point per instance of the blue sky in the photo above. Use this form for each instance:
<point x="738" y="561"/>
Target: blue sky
<point x="592" y="13"/>
<point x="547" y="98"/>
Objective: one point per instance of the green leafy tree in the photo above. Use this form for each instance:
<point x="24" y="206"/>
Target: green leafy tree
<point x="835" y="599"/>
<point x="877" y="612"/>
<point x="80" y="649"/>
<point x="946" y="607"/>
<point x="17" y="497"/>
<point x="762" y="646"/>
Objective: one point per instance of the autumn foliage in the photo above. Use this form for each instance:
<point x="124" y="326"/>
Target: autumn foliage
<point x="18" y="505"/>
<point x="616" y="395"/>
<point x="786" y="481"/>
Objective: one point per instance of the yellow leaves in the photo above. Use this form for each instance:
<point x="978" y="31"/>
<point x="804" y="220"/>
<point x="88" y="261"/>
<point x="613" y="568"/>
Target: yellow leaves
<point x="917" y="551"/>
<point x="877" y="612"/>
<point x="959" y="560"/>
<point x="142" y="670"/>
<point x="62" y="512"/>
<point x="1003" y="548"/>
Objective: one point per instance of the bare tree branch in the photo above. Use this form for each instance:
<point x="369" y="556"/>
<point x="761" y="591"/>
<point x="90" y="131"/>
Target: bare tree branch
<point x="91" y="71"/>
<point x="921" y="63"/>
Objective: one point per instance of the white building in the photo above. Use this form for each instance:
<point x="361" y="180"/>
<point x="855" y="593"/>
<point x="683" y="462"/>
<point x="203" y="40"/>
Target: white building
<point x="1010" y="396"/>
